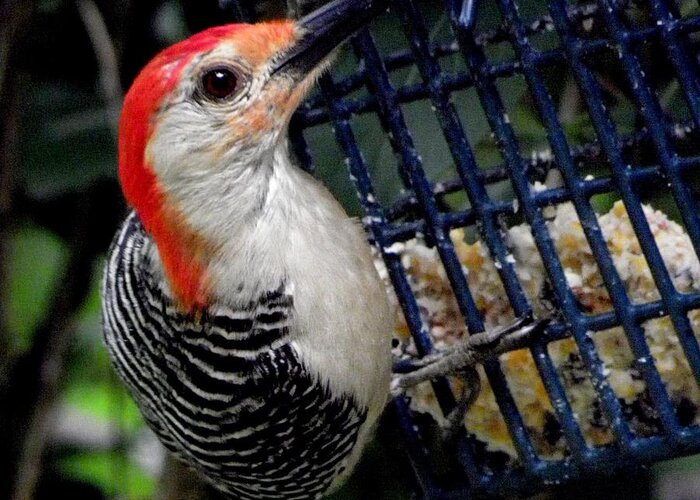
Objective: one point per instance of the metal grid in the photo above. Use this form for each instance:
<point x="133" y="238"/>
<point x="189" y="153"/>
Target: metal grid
<point x="666" y="29"/>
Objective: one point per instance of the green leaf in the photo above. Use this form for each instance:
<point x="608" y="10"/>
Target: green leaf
<point x="36" y="258"/>
<point x="112" y="472"/>
<point x="106" y="400"/>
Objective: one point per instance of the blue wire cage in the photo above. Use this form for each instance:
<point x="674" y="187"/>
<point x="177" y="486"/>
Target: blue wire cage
<point x="670" y="156"/>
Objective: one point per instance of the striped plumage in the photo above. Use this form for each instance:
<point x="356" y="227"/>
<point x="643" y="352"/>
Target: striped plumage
<point x="224" y="390"/>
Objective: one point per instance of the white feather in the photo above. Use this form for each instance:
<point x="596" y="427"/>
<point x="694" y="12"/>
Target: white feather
<point x="272" y="222"/>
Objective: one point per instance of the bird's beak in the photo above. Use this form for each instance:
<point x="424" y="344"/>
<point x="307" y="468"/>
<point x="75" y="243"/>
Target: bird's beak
<point x="323" y="30"/>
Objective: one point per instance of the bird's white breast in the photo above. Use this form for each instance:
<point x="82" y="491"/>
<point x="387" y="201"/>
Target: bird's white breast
<point x="273" y="222"/>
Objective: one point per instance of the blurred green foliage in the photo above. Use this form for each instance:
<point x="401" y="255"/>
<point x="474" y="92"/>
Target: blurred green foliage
<point x="67" y="125"/>
<point x="35" y="264"/>
<point x="111" y="473"/>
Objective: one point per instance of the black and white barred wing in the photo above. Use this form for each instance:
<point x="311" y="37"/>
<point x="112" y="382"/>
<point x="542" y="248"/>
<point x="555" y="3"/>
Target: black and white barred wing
<point x="225" y="390"/>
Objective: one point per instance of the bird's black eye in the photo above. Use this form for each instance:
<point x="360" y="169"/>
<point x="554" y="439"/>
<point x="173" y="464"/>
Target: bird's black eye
<point x="219" y="83"/>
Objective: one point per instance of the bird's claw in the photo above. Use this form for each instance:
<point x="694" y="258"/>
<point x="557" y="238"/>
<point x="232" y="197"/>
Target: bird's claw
<point x="461" y="359"/>
<point x="473" y="350"/>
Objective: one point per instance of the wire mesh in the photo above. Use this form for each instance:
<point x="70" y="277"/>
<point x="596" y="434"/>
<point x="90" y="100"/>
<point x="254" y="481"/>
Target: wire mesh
<point x="658" y="149"/>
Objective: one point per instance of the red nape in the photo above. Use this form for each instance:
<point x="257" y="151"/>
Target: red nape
<point x="183" y="261"/>
<point x="139" y="182"/>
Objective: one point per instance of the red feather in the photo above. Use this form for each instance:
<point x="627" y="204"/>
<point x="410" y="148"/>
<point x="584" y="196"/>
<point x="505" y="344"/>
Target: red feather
<point x="185" y="273"/>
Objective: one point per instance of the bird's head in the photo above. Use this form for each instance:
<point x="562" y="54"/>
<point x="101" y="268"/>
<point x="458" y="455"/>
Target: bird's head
<point x="202" y="120"/>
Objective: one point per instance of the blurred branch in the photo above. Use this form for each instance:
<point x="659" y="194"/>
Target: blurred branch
<point x="107" y="60"/>
<point x="41" y="368"/>
<point x="14" y="17"/>
<point x="25" y="421"/>
<point x="9" y="137"/>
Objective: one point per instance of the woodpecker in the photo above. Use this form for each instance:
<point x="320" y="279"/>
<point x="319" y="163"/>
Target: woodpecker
<point x="241" y="306"/>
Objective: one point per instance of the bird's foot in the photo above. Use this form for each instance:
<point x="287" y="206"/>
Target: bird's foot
<point x="460" y="360"/>
<point x="470" y="389"/>
<point x="473" y="350"/>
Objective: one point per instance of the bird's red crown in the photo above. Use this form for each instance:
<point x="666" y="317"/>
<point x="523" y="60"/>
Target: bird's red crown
<point x="183" y="251"/>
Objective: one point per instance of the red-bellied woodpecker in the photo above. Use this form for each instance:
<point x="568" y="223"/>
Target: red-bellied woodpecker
<point x="241" y="305"/>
